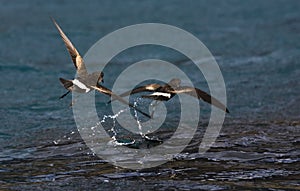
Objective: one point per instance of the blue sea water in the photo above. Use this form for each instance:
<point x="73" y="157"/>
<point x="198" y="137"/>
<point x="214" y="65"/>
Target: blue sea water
<point x="256" y="44"/>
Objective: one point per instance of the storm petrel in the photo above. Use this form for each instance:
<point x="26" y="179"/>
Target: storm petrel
<point x="86" y="82"/>
<point x="167" y="91"/>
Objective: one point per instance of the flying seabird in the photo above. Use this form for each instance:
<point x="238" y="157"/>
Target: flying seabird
<point x="86" y="82"/>
<point x="169" y="90"/>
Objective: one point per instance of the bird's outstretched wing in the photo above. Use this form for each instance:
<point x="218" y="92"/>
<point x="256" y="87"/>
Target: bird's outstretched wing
<point x="146" y="88"/>
<point x="76" y="58"/>
<point x="108" y="92"/>
<point x="197" y="93"/>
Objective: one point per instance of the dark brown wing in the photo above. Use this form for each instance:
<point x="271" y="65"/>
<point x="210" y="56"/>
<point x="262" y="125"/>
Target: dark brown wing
<point x="76" y="58"/>
<point x="100" y="78"/>
<point x="197" y="93"/>
<point x="107" y="91"/>
<point x="146" y="88"/>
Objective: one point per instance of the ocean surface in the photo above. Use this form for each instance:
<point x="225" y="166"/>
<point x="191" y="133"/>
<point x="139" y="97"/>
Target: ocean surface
<point x="255" y="43"/>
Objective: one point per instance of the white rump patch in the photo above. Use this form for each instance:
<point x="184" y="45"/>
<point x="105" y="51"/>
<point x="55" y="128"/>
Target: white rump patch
<point x="168" y="95"/>
<point x="81" y="85"/>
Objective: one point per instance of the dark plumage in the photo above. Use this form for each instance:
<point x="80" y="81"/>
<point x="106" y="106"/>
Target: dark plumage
<point x="85" y="82"/>
<point x="167" y="91"/>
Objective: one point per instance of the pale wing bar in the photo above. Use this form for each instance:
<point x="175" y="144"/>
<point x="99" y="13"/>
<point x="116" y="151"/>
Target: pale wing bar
<point x="146" y="88"/>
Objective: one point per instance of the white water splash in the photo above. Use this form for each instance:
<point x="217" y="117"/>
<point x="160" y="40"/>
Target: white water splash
<point x="137" y="119"/>
<point x="64" y="138"/>
<point x="113" y="117"/>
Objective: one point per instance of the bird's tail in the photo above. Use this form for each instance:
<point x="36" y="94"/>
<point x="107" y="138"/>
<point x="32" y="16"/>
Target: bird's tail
<point x="66" y="83"/>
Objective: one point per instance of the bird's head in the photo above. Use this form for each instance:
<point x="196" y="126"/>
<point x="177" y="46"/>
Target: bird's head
<point x="175" y="82"/>
<point x="98" y="76"/>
